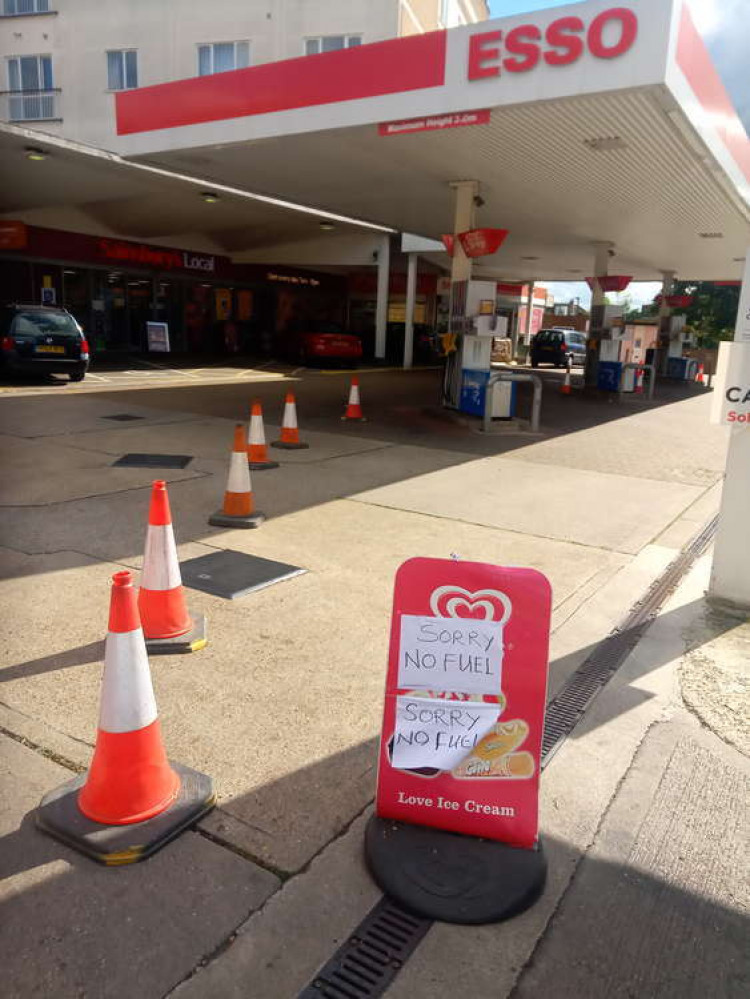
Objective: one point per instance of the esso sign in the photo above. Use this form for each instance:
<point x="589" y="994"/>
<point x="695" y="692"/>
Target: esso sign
<point x="610" y="34"/>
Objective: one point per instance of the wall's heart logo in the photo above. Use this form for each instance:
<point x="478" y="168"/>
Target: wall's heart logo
<point x="455" y="601"/>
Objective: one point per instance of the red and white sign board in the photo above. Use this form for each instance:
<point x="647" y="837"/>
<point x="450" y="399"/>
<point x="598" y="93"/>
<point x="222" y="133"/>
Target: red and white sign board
<point x="435" y="123"/>
<point x="464" y="702"/>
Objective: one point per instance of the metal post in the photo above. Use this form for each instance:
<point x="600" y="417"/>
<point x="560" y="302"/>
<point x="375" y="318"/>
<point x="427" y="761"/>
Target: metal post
<point x="411" y="295"/>
<point x="514" y="376"/>
<point x="381" y="308"/>
<point x="593" y="350"/>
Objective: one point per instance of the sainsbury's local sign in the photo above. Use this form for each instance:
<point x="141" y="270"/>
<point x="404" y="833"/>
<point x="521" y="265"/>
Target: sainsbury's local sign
<point x="608" y="35"/>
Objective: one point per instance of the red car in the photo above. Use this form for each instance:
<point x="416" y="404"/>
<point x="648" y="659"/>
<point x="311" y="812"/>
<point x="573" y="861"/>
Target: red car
<point x="319" y="340"/>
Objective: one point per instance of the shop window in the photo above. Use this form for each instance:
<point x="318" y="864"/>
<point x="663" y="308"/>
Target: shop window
<point x="122" y="69"/>
<point x="219" y="57"/>
<point x="11" y="7"/>
<point x="331" y="43"/>
<point x="32" y="95"/>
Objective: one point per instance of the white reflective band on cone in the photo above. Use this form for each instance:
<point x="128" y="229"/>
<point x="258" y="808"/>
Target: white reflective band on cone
<point x="127" y="695"/>
<point x="290" y="414"/>
<point x="239" y="476"/>
<point x="257" y="435"/>
<point x="161" y="570"/>
<point x="354" y="395"/>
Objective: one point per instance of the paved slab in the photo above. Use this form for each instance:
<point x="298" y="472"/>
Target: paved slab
<point x="515" y="495"/>
<point x="39" y="472"/>
<point x="673" y="443"/>
<point x="660" y="906"/>
<point x="73" y="928"/>
<point x="30" y="417"/>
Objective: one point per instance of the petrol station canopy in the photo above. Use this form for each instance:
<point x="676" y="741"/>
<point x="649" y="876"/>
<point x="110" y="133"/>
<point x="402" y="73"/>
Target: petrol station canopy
<point x="582" y="124"/>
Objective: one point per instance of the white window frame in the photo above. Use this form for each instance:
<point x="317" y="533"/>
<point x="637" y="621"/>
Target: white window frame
<point x="38" y="7"/>
<point x="212" y="45"/>
<point x="35" y="103"/>
<point x="121" y="53"/>
<point x="351" y="41"/>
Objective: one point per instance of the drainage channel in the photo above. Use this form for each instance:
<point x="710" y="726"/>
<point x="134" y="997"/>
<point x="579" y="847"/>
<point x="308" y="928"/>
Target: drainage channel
<point x="368" y="961"/>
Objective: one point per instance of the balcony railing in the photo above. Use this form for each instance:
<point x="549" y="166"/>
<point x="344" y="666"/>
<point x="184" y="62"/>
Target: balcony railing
<point x="30" y="105"/>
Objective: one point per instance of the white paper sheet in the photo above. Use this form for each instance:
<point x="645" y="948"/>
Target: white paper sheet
<point x="437" y="733"/>
<point x="450" y="653"/>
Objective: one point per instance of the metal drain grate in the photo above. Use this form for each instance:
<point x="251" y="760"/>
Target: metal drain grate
<point x="566" y="709"/>
<point x="364" y="966"/>
<point x="153" y="461"/>
<point x="123" y="417"/>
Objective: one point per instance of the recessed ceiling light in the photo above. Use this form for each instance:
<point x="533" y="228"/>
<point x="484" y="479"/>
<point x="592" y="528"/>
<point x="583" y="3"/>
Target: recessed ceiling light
<point x="210" y="197"/>
<point x="605" y="143"/>
<point x="35" y="153"/>
<point x="326" y="226"/>
<point x="711" y="235"/>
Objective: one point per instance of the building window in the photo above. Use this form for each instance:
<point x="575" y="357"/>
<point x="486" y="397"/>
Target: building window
<point x="331" y="43"/>
<point x="122" y="70"/>
<point x="11" y="7"/>
<point x="219" y="57"/>
<point x="32" y="95"/>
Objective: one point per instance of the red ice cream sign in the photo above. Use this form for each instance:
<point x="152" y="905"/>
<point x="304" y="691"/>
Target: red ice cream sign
<point x="464" y="702"/>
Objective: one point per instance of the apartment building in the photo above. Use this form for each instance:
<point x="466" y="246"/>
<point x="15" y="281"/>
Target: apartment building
<point x="63" y="60"/>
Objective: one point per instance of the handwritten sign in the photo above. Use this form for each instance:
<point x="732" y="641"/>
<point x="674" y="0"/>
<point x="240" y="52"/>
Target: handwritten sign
<point x="448" y="653"/>
<point x="464" y="702"/>
<point x="438" y="733"/>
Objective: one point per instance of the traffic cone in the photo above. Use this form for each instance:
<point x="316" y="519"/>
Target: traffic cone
<point x="638" y="387"/>
<point x="700" y="376"/>
<point x="132" y="800"/>
<point x="289" y="430"/>
<point x="167" y="624"/>
<point x="354" y="409"/>
<point x="239" y="506"/>
<point x="566" y="387"/>
<point x="257" y="452"/>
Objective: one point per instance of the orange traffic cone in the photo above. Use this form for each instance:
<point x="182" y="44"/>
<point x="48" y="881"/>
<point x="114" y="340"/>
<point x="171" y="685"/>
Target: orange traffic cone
<point x="354" y="409"/>
<point x="167" y="624"/>
<point x="566" y="387"/>
<point x="289" y="430"/>
<point x="638" y="387"/>
<point x="700" y="376"/>
<point x="130" y="780"/>
<point x="257" y="452"/>
<point x="239" y="506"/>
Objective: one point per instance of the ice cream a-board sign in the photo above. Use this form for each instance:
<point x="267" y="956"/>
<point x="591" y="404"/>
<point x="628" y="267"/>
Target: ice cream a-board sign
<point x="465" y="696"/>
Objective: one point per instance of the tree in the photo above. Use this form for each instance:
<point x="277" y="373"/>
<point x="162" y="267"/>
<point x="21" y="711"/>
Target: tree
<point x="713" y="314"/>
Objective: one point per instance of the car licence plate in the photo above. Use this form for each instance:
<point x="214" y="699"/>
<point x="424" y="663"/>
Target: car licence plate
<point x="46" y="349"/>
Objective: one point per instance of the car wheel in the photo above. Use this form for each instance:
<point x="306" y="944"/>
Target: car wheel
<point x="77" y="376"/>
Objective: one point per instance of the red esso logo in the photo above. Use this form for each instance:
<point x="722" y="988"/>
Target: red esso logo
<point x="609" y="35"/>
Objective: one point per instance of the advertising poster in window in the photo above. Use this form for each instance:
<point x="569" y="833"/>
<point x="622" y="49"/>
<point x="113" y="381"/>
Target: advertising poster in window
<point x="158" y="337"/>
<point x="465" y="696"/>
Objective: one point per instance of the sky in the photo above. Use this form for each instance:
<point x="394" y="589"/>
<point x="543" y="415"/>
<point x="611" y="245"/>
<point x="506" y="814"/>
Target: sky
<point x="725" y="26"/>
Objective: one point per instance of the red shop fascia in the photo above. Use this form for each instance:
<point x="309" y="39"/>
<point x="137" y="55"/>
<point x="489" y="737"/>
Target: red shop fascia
<point x="36" y="257"/>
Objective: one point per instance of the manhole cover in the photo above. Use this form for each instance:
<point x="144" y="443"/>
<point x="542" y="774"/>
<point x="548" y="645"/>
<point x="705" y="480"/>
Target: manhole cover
<point x="123" y="417"/>
<point x="153" y="460"/>
<point x="233" y="574"/>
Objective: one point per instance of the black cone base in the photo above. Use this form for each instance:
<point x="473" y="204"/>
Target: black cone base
<point x="290" y="447"/>
<point x="193" y="641"/>
<point x="259" y="466"/>
<point x="59" y="816"/>
<point x="450" y="877"/>
<point x="221" y="519"/>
